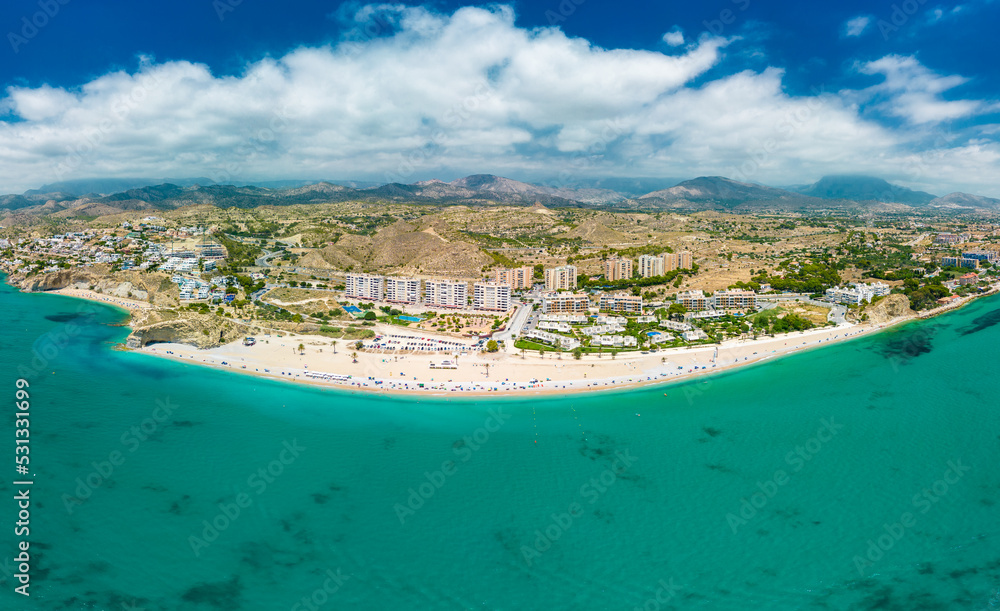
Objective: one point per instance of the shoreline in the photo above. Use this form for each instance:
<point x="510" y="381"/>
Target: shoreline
<point x="483" y="374"/>
<point x="509" y="375"/>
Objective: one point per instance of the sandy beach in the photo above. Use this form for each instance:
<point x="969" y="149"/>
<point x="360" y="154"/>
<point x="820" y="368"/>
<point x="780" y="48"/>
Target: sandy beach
<point x="134" y="306"/>
<point x="489" y="374"/>
<point x="479" y="373"/>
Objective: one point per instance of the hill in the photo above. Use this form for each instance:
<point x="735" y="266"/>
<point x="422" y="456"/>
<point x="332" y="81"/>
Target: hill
<point x="965" y="200"/>
<point x="719" y="193"/>
<point x="864" y="188"/>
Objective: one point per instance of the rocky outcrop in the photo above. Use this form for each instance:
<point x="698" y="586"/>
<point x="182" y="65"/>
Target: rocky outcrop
<point x="889" y="309"/>
<point x="156" y="288"/>
<point x="62" y="279"/>
<point x="198" y="330"/>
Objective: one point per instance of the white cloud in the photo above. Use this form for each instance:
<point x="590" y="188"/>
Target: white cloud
<point x="857" y="26"/>
<point x="674" y="38"/>
<point x="439" y="95"/>
<point x="913" y="92"/>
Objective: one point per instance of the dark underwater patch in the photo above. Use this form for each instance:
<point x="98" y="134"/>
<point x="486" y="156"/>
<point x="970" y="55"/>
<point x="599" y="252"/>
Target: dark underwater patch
<point x="221" y="594"/>
<point x="905" y="347"/>
<point x="983" y="322"/>
<point x="63" y="317"/>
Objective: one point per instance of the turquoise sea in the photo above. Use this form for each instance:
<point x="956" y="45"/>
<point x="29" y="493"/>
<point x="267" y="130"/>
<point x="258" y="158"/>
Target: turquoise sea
<point x="863" y="475"/>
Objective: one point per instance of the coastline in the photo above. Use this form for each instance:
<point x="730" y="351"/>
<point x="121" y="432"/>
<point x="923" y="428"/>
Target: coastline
<point x="506" y="375"/>
<point x="482" y="374"/>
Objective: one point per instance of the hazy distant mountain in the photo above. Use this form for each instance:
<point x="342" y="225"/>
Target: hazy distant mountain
<point x="16" y="202"/>
<point x="626" y="187"/>
<point x="965" y="200"/>
<point x="475" y="188"/>
<point x="108" y="186"/>
<point x="704" y="193"/>
<point x="864" y="188"/>
<point x="716" y="192"/>
<point x="509" y="191"/>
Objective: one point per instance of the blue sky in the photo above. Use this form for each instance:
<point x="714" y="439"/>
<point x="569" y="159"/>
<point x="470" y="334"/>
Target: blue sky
<point x="771" y="92"/>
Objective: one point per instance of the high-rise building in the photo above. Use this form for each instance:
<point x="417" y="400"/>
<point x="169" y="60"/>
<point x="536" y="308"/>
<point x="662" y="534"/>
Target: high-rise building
<point x="517" y="278"/>
<point x="446" y="293"/>
<point x="565" y="303"/>
<point x="561" y="278"/>
<point x="652" y="265"/>
<point x="617" y="269"/>
<point x="402" y="290"/>
<point x="491" y="296"/>
<point x="364" y="286"/>
<point x="684" y="260"/>
<point x="669" y="261"/>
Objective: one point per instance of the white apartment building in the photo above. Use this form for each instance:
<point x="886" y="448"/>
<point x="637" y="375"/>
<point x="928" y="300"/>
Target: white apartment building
<point x="857" y="293"/>
<point x="652" y="265"/>
<point x="694" y="301"/>
<point x="735" y="299"/>
<point x="364" y="286"/>
<point x="402" y="290"/>
<point x="565" y="303"/>
<point x="446" y="293"/>
<point x="491" y="296"/>
<point x="622" y="304"/>
<point x="561" y="278"/>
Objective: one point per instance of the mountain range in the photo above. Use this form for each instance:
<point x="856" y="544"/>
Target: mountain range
<point x="110" y="196"/>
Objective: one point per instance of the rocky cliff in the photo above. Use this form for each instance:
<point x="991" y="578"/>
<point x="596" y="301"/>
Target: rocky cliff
<point x="199" y="330"/>
<point x="890" y="308"/>
<point x="156" y="288"/>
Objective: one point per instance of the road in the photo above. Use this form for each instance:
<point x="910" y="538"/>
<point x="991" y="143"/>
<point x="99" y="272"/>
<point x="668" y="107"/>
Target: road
<point x="516" y="324"/>
<point x="262" y="261"/>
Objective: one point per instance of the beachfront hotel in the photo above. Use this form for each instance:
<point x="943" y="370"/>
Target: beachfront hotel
<point x="446" y="293"/>
<point x="565" y="303"/>
<point x="491" y="296"/>
<point x="652" y="265"/>
<point x="402" y="290"/>
<point x="857" y="293"/>
<point x="518" y="278"/>
<point x="364" y="286"/>
<point x="621" y="304"/>
<point x="561" y="278"/>
<point x="616" y="268"/>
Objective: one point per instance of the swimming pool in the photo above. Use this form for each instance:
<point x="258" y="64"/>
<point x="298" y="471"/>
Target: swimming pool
<point x="410" y="318"/>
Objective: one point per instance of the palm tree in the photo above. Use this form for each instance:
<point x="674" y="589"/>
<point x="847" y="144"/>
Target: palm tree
<point x="302" y="348"/>
<point x="354" y="355"/>
<point x="334" y="344"/>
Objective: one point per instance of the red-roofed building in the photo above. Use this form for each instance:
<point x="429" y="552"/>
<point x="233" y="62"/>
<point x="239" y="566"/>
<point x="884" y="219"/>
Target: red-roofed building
<point x="968" y="279"/>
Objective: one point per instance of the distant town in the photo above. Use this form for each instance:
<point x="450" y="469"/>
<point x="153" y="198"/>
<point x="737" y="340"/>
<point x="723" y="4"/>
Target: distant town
<point x="573" y="295"/>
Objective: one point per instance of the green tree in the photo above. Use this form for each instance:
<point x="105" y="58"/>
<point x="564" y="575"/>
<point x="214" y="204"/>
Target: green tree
<point x="492" y="346"/>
